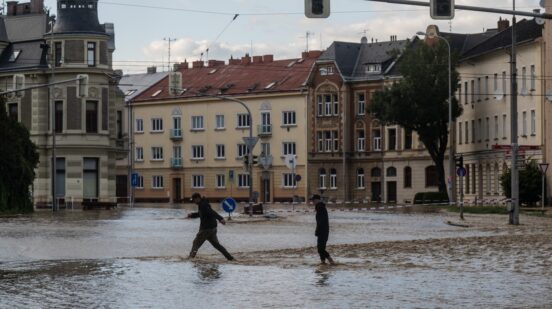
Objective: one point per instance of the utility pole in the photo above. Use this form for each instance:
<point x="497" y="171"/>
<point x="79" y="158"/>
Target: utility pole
<point x="514" y="211"/>
<point x="169" y="40"/>
<point x="53" y="127"/>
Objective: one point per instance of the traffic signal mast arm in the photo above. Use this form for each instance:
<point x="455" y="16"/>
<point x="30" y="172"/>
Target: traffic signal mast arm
<point x="80" y="78"/>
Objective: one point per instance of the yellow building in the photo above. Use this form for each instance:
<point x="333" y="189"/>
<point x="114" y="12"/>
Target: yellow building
<point x="186" y="140"/>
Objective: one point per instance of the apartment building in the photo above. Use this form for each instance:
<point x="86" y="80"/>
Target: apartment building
<point x="546" y="83"/>
<point x="483" y="131"/>
<point x="37" y="50"/>
<point x="352" y="156"/>
<point x="187" y="138"/>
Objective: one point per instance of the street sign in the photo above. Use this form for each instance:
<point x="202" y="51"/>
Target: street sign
<point x="231" y="175"/>
<point x="250" y="142"/>
<point x="229" y="205"/>
<point x="265" y="161"/>
<point x="298" y="178"/>
<point x="290" y="161"/>
<point x="134" y="179"/>
<point x="461" y="171"/>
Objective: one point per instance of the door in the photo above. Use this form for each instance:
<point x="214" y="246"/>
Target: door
<point x="376" y="191"/>
<point x="121" y="188"/>
<point x="177" y="185"/>
<point x="391" y="192"/>
<point x="266" y="187"/>
<point x="90" y="179"/>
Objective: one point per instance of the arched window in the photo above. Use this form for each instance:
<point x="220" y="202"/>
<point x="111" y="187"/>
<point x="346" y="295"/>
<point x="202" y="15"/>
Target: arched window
<point x="431" y="176"/>
<point x="391" y="172"/>
<point x="496" y="178"/>
<point x="360" y="178"/>
<point x="322" y="178"/>
<point x="408" y="177"/>
<point x="376" y="172"/>
<point x="333" y="178"/>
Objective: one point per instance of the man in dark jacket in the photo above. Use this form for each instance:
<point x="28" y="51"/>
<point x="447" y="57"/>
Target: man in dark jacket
<point x="207" y="226"/>
<point x="322" y="228"/>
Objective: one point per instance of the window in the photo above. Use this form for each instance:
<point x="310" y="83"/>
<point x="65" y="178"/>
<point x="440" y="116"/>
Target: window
<point x="156" y="125"/>
<point x="157" y="182"/>
<point x="197" y="123"/>
<point x="333" y="178"/>
<point x="407" y="139"/>
<point x="13" y="112"/>
<point x="90" y="183"/>
<point x="156" y="153"/>
<point x="14" y="55"/>
<point x="320" y="140"/>
<point x="265" y="149"/>
<point x="140" y="184"/>
<point x="139" y="126"/>
<point x="289" y="180"/>
<point x="220" y="181"/>
<point x="504" y="82"/>
<point x="391" y="172"/>
<point x="336" y="105"/>
<point x="322" y="179"/>
<point x="473" y="131"/>
<point x="361" y="104"/>
<point x="288" y="148"/>
<point x="198" y="182"/>
<point x="243" y="121"/>
<point x="197" y="152"/>
<point x="220" y="122"/>
<point x="377" y="140"/>
<point x="431" y="176"/>
<point x="361" y="141"/>
<point x="468" y="173"/>
<point x="288" y="118"/>
<point x="91" y="117"/>
<point x="220" y="152"/>
<point x="480" y="127"/>
<point x="523" y="80"/>
<point x="460" y="133"/>
<point x="533" y="78"/>
<point x="487" y="128"/>
<point x="327" y="70"/>
<point x="177" y="154"/>
<point x="335" y="141"/>
<point x="486" y="89"/>
<point x="139" y="156"/>
<point x="408" y="177"/>
<point x="242" y="150"/>
<point x="91" y="54"/>
<point x="328" y="104"/>
<point x="60" y="177"/>
<point x="156" y="93"/>
<point x="360" y="178"/>
<point x="504" y="125"/>
<point x="524" y="124"/>
<point x="243" y="180"/>
<point x="119" y="124"/>
<point x="320" y="106"/>
<point x="495" y="83"/>
<point x="478" y="89"/>
<point x="392" y="143"/>
<point x="496" y="127"/>
<point x="466" y="92"/>
<point x="473" y="91"/>
<point x="57" y="54"/>
<point x="328" y="141"/>
<point x="533" y="122"/>
<point x="375" y="172"/>
<point x="467" y="131"/>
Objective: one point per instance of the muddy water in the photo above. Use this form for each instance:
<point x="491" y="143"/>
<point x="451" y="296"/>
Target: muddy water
<point x="136" y="258"/>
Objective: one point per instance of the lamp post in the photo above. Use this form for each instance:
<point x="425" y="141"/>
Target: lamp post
<point x="452" y="174"/>
<point x="543" y="168"/>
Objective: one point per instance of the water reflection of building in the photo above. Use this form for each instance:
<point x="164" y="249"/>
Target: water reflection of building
<point x="185" y="142"/>
<point x="87" y="123"/>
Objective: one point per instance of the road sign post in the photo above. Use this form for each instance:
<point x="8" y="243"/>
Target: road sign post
<point x="229" y="205"/>
<point x="461" y="172"/>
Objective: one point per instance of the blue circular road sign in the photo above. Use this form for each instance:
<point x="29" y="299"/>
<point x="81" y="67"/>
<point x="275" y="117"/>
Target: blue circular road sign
<point x="461" y="172"/>
<point x="229" y="205"/>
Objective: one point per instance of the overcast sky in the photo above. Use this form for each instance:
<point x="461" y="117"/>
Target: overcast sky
<point x="276" y="27"/>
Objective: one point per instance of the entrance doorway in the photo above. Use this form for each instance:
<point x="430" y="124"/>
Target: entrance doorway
<point x="177" y="194"/>
<point x="121" y="188"/>
<point x="391" y="192"/>
<point x="265" y="197"/>
<point x="376" y="192"/>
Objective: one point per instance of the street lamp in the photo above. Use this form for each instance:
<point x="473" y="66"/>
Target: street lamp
<point x="452" y="173"/>
<point x="543" y="168"/>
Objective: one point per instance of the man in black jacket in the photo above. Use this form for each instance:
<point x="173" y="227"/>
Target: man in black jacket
<point x="207" y="226"/>
<point x="322" y="228"/>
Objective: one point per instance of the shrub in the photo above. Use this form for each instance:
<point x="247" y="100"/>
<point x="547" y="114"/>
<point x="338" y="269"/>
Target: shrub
<point x="430" y="197"/>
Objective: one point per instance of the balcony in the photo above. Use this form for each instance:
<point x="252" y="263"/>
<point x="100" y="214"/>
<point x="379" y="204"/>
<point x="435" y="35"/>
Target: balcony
<point x="264" y="130"/>
<point x="176" y="163"/>
<point x="176" y="134"/>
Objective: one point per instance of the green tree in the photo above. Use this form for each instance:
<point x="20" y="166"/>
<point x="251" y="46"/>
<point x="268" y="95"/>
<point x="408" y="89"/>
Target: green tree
<point x="18" y="159"/>
<point x="419" y="101"/>
<point x="530" y="183"/>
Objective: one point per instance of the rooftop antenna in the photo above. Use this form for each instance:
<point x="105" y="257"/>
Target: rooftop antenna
<point x="169" y="40"/>
<point x="307" y="37"/>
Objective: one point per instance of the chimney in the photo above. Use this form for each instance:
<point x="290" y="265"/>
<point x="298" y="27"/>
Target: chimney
<point x="503" y="24"/>
<point x="12" y="8"/>
<point x="152" y="70"/>
<point x="257" y="59"/>
<point x="197" y="64"/>
<point x="315" y="53"/>
<point x="215" y="63"/>
<point x="268" y="58"/>
<point x="246" y="59"/>
<point x="305" y="54"/>
<point x="37" y="6"/>
<point x="176" y="67"/>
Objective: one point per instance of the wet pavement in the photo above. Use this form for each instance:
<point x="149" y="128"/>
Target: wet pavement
<point x="136" y="258"/>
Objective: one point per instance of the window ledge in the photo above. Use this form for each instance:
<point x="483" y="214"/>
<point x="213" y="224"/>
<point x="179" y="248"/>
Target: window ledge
<point x="288" y="125"/>
<point x="220" y="129"/>
<point x="140" y="132"/>
<point x="157" y="160"/>
<point x="197" y="159"/>
<point x="220" y="159"/>
<point x="156" y="132"/>
<point x="197" y="130"/>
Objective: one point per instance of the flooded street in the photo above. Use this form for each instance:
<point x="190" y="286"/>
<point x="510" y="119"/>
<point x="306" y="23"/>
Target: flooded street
<point x="136" y="258"/>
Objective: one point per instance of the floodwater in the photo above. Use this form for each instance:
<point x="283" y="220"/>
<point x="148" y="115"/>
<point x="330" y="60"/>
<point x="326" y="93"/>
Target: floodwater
<point x="136" y="258"/>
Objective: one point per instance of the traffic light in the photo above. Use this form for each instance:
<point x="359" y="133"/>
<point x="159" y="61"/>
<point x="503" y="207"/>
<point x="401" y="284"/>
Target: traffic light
<point x="317" y="8"/>
<point x="255" y="160"/>
<point x="459" y="161"/>
<point x="246" y="160"/>
<point x="442" y="9"/>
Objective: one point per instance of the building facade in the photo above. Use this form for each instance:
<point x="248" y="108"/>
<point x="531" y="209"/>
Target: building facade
<point x="352" y="156"/>
<point x="86" y="121"/>
<point x="188" y="140"/>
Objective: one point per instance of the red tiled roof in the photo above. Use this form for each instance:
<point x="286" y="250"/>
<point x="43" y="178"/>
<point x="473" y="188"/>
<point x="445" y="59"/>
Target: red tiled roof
<point x="238" y="78"/>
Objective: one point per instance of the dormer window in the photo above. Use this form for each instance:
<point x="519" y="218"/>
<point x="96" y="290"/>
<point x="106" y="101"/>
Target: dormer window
<point x="270" y="85"/>
<point x="14" y="55"/>
<point x="130" y="92"/>
<point x="156" y="93"/>
<point x="373" y="68"/>
<point x="327" y="70"/>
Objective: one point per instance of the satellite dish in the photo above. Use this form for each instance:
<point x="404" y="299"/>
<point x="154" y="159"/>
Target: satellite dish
<point x="549" y="95"/>
<point x="539" y="21"/>
<point x="498" y="95"/>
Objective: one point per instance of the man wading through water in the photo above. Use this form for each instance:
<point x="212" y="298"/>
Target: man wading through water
<point x="207" y="227"/>
<point x="322" y="228"/>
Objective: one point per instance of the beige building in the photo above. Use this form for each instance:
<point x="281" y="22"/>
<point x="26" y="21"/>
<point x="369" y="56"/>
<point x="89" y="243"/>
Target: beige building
<point x="86" y="119"/>
<point x="186" y="141"/>
<point x="547" y="92"/>
<point x="483" y="133"/>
